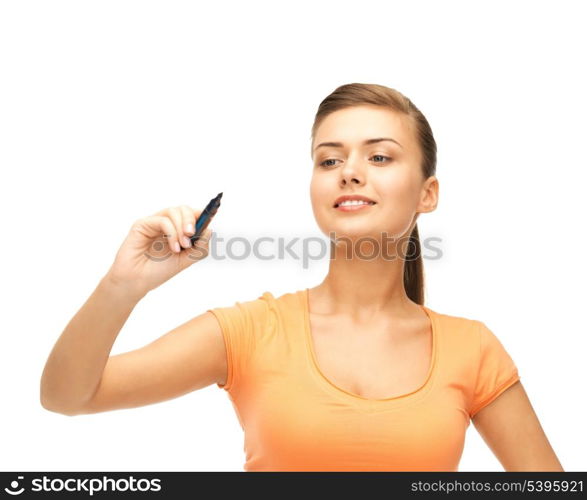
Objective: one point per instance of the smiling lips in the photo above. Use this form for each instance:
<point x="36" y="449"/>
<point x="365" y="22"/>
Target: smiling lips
<point x="353" y="203"/>
<point x="351" y="197"/>
<point x="354" y="206"/>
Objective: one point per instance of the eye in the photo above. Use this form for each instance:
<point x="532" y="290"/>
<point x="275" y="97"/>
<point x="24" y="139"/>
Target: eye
<point x="381" y="156"/>
<point x="326" y="166"/>
<point x="323" y="164"/>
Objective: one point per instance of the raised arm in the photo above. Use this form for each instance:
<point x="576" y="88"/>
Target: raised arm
<point x="80" y="376"/>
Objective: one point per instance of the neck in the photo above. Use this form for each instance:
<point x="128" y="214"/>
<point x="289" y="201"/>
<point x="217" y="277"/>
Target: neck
<point x="363" y="289"/>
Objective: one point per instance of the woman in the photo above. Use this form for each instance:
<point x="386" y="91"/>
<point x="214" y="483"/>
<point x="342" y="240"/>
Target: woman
<point x="355" y="374"/>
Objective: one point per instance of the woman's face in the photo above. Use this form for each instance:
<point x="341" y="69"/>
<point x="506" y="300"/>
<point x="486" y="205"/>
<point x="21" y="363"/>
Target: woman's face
<point x="387" y="172"/>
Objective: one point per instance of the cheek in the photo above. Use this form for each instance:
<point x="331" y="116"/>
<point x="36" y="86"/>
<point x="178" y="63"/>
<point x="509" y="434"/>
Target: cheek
<point x="398" y="189"/>
<point x="318" y="192"/>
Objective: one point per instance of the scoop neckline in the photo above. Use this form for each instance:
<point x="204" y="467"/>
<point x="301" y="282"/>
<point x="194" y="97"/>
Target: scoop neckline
<point x="357" y="397"/>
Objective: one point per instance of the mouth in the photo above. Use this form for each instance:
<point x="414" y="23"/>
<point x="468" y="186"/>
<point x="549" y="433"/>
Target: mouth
<point x="353" y="207"/>
<point x="352" y="199"/>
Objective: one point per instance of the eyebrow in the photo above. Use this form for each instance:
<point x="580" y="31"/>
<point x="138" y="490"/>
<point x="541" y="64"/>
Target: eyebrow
<point x="365" y="143"/>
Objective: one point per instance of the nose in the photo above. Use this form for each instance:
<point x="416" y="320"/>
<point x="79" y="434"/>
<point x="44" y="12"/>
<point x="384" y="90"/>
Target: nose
<point x="350" y="174"/>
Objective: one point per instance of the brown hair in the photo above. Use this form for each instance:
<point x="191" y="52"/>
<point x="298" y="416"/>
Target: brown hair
<point x="357" y="94"/>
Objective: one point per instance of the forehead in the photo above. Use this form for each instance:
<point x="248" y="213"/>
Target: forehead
<point x="353" y="125"/>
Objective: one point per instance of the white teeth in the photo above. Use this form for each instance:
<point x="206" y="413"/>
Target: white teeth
<point x="354" y="202"/>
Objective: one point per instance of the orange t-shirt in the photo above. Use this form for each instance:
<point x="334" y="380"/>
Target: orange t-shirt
<point x="295" y="419"/>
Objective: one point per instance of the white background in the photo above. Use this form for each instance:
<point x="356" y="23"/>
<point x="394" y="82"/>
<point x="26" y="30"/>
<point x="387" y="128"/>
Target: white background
<point x="113" y="110"/>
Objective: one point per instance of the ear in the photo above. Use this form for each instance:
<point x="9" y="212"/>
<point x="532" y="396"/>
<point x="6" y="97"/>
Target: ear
<point x="429" y="195"/>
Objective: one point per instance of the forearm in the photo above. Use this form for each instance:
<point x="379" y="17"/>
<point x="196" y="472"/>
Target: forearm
<point x="75" y="365"/>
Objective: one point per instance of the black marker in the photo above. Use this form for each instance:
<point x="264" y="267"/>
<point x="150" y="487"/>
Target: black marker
<point x="205" y="217"/>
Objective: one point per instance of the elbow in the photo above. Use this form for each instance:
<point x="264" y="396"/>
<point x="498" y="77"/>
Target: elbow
<point x="61" y="411"/>
<point x="52" y="403"/>
<point x="55" y="408"/>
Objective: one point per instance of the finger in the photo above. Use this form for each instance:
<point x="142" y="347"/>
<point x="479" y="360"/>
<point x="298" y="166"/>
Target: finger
<point x="157" y="225"/>
<point x="176" y="217"/>
<point x="189" y="219"/>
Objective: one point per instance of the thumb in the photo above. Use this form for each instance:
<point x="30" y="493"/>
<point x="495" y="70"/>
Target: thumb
<point x="200" y="249"/>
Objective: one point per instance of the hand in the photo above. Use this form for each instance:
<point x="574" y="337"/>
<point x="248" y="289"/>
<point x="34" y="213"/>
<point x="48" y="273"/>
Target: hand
<point x="157" y="248"/>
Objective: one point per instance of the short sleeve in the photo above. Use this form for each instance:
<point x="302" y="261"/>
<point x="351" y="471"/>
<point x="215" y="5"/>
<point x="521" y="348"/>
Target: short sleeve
<point x="242" y="324"/>
<point x="496" y="370"/>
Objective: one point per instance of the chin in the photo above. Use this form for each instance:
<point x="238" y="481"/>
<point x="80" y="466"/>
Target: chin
<point x="358" y="230"/>
<point x="352" y="231"/>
